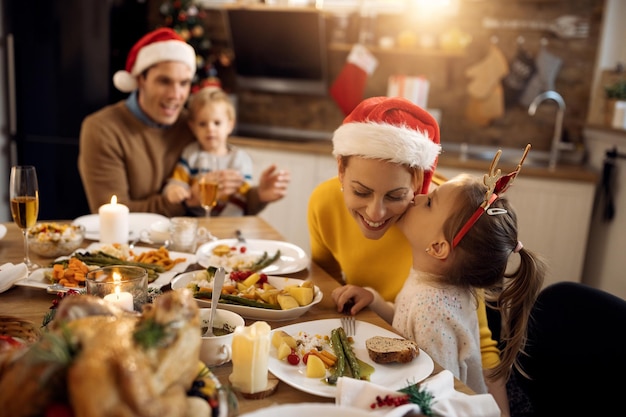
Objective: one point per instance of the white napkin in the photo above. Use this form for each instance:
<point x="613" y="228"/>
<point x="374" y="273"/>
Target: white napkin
<point x="10" y="274"/>
<point x="447" y="402"/>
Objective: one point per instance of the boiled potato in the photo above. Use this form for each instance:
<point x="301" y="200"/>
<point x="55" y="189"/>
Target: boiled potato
<point x="287" y="302"/>
<point x="315" y="367"/>
<point x="251" y="280"/>
<point x="303" y="295"/>
<point x="283" y="350"/>
<point x="280" y="337"/>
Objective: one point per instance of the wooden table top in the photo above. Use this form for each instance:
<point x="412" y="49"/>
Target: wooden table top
<point x="33" y="303"/>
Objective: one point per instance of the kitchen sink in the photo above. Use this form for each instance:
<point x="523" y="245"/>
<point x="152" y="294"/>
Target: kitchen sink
<point x="535" y="158"/>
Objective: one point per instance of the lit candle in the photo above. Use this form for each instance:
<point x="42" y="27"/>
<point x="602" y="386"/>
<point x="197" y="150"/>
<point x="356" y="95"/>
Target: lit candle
<point x="122" y="299"/>
<point x="114" y="224"/>
<point x="250" y="356"/>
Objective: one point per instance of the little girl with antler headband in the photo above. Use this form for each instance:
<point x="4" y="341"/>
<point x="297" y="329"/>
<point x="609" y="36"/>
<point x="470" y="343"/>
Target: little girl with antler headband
<point x="462" y="235"/>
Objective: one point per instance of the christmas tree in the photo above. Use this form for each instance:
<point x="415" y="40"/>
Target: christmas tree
<point x="187" y="20"/>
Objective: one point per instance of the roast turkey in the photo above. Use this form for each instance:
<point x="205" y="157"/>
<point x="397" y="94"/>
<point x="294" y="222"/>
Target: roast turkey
<point x="105" y="362"/>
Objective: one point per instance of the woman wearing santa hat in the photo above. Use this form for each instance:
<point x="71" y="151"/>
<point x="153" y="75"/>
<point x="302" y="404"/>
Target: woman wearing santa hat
<point x="387" y="151"/>
<point x="130" y="148"/>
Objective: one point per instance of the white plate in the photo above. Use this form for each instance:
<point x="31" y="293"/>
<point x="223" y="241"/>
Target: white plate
<point x="137" y="222"/>
<point x="3" y="230"/>
<point x="308" y="410"/>
<point x="292" y="258"/>
<point x="256" y="313"/>
<point x="37" y="278"/>
<point x="393" y="376"/>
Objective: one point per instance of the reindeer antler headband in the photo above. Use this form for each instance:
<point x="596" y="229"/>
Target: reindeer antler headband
<point x="496" y="186"/>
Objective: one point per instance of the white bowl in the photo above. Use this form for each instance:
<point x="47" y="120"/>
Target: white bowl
<point x="185" y="280"/>
<point x="216" y="350"/>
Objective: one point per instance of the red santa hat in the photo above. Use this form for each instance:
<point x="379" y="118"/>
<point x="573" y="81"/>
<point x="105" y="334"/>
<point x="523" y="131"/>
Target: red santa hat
<point x="394" y="129"/>
<point x="157" y="46"/>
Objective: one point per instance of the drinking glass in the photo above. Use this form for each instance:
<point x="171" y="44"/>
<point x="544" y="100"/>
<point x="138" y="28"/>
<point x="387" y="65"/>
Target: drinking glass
<point x="210" y="165"/>
<point x="208" y="186"/>
<point x="24" y="195"/>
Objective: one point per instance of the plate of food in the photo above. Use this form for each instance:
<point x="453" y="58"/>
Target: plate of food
<point x="137" y="222"/>
<point x="316" y="335"/>
<point x="268" y="256"/>
<point x="270" y="298"/>
<point x="162" y="265"/>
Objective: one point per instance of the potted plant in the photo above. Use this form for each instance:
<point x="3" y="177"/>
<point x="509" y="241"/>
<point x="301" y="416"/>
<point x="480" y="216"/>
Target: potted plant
<point x="615" y="103"/>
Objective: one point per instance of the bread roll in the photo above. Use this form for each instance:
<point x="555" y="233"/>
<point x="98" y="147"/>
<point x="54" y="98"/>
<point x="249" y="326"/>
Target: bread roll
<point x="391" y="350"/>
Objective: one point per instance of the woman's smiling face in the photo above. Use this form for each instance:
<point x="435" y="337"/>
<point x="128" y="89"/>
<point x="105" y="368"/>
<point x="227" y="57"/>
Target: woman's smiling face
<point x="376" y="193"/>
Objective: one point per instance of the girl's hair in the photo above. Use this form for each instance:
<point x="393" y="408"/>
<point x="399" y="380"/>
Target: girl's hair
<point x="208" y="96"/>
<point x="480" y="261"/>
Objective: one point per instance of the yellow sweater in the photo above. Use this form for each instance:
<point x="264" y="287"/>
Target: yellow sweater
<point x="338" y="246"/>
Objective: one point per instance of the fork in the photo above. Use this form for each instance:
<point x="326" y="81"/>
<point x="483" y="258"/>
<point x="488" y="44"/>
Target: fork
<point x="349" y="325"/>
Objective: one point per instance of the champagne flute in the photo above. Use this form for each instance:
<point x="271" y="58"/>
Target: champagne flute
<point x="24" y="195"/>
<point x="208" y="187"/>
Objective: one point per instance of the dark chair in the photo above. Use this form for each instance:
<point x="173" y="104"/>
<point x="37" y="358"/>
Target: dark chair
<point x="576" y="353"/>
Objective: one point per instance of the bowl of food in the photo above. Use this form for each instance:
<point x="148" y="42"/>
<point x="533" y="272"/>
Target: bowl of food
<point x="55" y="239"/>
<point x="216" y="350"/>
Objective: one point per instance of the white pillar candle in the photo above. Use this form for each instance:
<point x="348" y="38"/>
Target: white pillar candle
<point x="250" y="357"/>
<point x="114" y="223"/>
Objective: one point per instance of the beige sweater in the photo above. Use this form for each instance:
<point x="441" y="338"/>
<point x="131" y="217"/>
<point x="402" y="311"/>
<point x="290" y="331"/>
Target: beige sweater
<point x="119" y="155"/>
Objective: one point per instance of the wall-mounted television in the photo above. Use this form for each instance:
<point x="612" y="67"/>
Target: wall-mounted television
<point x="280" y="50"/>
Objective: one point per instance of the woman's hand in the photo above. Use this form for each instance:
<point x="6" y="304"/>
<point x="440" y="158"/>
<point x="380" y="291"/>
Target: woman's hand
<point x="351" y="299"/>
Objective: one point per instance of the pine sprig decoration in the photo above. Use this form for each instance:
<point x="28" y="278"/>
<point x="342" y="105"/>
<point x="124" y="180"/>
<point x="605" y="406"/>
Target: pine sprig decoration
<point x="421" y="397"/>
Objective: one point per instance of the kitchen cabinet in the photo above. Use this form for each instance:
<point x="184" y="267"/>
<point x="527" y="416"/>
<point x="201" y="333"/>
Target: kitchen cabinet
<point x="307" y="170"/>
<point x="554" y="214"/>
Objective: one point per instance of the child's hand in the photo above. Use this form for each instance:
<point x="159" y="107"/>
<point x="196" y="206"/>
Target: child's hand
<point x="229" y="180"/>
<point x="176" y="193"/>
<point x="273" y="184"/>
<point x="351" y="295"/>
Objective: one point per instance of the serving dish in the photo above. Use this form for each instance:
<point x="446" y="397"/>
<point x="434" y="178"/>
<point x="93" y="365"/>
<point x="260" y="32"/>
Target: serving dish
<point x="137" y="222"/>
<point x="50" y="239"/>
<point x="37" y="278"/>
<point x="254" y="313"/>
<point x="393" y="376"/>
<point x="292" y="257"/>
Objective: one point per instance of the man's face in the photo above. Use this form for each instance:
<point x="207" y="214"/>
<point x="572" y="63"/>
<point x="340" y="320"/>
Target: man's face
<point x="163" y="91"/>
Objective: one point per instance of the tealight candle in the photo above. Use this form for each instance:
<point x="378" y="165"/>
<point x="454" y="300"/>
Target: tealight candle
<point x="124" y="286"/>
<point x="250" y="357"/>
<point x="114" y="223"/>
<point x="122" y="299"/>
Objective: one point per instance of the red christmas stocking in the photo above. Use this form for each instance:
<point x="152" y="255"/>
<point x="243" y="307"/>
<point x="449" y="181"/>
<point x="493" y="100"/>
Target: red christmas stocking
<point x="348" y="87"/>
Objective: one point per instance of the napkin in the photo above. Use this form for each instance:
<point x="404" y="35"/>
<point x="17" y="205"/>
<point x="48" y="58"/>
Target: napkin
<point x="447" y="402"/>
<point x="10" y="274"/>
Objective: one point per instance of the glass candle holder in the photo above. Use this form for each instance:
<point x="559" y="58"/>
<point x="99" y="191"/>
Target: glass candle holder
<point x="121" y="285"/>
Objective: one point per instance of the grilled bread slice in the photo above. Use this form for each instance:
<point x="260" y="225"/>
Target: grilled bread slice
<point x="389" y="349"/>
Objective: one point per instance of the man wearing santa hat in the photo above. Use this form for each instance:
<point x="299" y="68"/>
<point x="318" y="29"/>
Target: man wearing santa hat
<point x="130" y="148"/>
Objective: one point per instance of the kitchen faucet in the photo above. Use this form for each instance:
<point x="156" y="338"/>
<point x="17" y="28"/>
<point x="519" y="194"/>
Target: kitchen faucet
<point x="557" y="144"/>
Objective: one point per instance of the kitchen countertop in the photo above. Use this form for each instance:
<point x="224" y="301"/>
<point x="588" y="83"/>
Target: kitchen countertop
<point x="571" y="172"/>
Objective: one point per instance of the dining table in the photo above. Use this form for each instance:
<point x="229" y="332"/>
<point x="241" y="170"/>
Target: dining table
<point x="32" y="304"/>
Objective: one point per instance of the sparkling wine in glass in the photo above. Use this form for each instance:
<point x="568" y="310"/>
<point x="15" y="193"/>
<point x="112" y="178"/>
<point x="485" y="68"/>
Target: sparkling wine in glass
<point x="208" y="187"/>
<point x="24" y="195"/>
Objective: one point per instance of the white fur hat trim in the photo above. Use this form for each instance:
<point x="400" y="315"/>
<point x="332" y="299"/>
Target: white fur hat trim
<point x="403" y="145"/>
<point x="151" y="54"/>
